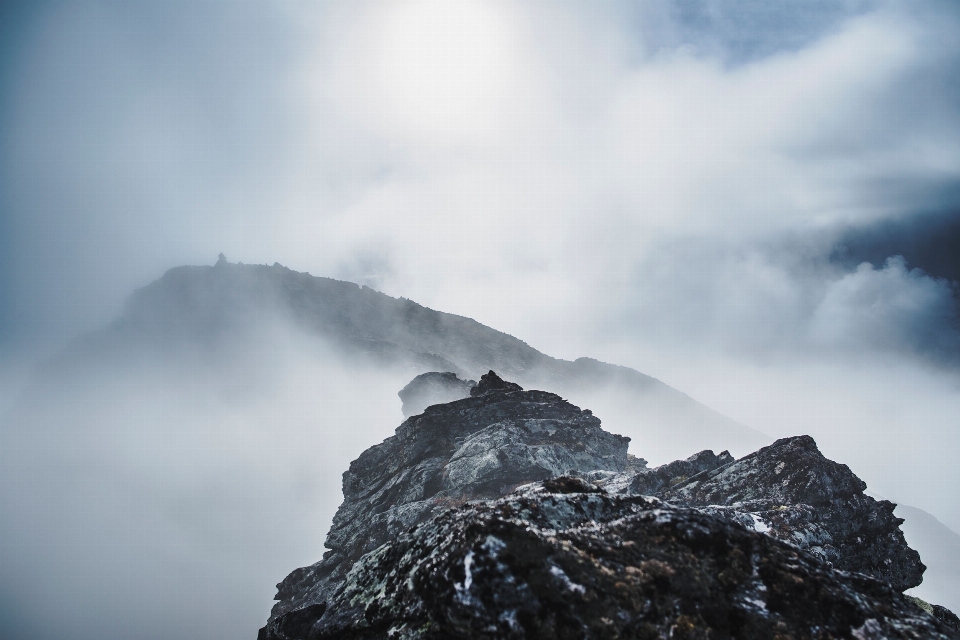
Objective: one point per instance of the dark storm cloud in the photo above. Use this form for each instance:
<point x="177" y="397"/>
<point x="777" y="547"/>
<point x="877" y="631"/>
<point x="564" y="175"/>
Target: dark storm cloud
<point x="928" y="241"/>
<point x="741" y="32"/>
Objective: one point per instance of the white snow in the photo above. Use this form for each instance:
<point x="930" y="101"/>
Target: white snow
<point x="572" y="586"/>
<point x="467" y="563"/>
<point x="759" y="524"/>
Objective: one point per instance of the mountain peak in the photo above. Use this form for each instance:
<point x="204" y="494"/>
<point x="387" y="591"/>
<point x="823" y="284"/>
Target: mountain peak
<point x="490" y="381"/>
<point x="512" y="512"/>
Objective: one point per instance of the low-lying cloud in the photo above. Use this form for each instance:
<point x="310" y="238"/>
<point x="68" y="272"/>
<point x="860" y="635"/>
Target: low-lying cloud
<point x="153" y="494"/>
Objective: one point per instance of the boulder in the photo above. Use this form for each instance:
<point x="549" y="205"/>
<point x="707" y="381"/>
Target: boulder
<point x="433" y="388"/>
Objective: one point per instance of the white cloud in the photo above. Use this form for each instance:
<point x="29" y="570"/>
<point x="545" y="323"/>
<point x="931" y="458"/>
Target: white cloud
<point x="887" y="308"/>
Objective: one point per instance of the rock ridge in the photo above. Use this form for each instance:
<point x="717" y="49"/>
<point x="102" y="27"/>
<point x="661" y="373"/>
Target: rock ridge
<point x="792" y="492"/>
<point x="433" y="495"/>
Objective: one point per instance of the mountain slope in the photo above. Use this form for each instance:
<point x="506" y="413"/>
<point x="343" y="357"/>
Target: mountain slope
<point x="195" y="303"/>
<point x="190" y="454"/>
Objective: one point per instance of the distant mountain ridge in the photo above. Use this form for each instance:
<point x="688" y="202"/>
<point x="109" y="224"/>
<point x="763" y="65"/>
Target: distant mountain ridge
<point x="192" y="302"/>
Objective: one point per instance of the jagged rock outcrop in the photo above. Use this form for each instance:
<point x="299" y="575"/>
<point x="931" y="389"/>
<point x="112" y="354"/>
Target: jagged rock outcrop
<point x="655" y="481"/>
<point x="433" y="388"/>
<point x="735" y="548"/>
<point x="480" y="447"/>
<point x="792" y="492"/>
<point x="564" y="560"/>
<point x="490" y="381"/>
<point x="947" y="617"/>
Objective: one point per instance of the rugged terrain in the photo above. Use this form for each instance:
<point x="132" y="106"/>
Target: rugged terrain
<point x="512" y="513"/>
<point x="557" y="560"/>
<point x="480" y="447"/>
<point x="191" y="453"/>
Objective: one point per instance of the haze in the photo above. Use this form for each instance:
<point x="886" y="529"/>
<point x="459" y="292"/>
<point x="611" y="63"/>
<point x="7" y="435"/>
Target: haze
<point x="756" y="203"/>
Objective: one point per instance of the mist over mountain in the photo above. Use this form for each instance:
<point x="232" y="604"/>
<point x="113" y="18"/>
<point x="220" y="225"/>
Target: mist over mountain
<point x="191" y="451"/>
<point x="199" y="305"/>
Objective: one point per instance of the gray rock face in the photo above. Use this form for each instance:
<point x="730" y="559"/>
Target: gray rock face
<point x="433" y="388"/>
<point x="565" y="560"/>
<point x="790" y="491"/>
<point x="405" y="527"/>
<point x="480" y="447"/>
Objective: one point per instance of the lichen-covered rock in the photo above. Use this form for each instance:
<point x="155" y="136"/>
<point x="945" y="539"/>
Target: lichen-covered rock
<point x="480" y="447"/>
<point x="566" y="560"/>
<point x="433" y="388"/>
<point x="790" y="491"/>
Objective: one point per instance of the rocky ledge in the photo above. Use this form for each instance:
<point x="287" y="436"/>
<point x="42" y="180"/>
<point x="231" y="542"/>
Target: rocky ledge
<point x="511" y="513"/>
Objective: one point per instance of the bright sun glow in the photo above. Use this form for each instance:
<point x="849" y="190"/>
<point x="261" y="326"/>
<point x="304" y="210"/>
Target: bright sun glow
<point x="441" y="67"/>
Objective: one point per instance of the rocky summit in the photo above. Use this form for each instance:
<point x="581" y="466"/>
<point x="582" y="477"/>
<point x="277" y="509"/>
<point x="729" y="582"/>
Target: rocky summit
<point x="480" y="447"/>
<point x="512" y="514"/>
<point x="562" y="561"/>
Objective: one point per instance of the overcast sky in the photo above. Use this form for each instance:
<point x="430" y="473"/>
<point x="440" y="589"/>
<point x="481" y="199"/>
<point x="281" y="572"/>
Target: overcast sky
<point x="556" y="169"/>
<point x="677" y="186"/>
<point x="756" y="202"/>
<point x="712" y="192"/>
